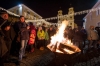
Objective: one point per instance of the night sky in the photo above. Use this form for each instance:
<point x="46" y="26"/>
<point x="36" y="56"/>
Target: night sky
<point x="49" y="8"/>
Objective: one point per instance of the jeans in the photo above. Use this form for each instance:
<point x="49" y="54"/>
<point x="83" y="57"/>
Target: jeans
<point x="22" y="49"/>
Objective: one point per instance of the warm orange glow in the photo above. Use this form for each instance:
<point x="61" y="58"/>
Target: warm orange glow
<point x="58" y="51"/>
<point x="59" y="39"/>
<point x="69" y="51"/>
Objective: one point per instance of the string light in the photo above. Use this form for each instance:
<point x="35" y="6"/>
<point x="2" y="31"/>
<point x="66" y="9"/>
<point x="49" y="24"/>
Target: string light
<point x="63" y="16"/>
<point x="76" y="13"/>
<point x="9" y="12"/>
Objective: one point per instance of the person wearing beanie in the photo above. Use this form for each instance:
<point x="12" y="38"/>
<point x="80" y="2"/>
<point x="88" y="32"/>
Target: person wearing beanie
<point x="3" y="47"/>
<point x="6" y="37"/>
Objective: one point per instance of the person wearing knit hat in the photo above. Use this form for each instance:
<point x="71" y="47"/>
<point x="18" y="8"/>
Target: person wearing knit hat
<point x="4" y="14"/>
<point x="7" y="38"/>
<point x="3" y="47"/>
<point x="3" y="11"/>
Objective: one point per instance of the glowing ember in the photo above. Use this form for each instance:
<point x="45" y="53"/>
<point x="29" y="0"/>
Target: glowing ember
<point x="70" y="52"/>
<point x="60" y="44"/>
<point x="58" y="51"/>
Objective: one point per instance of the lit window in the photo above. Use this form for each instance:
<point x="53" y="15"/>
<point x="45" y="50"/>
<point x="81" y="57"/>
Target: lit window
<point x="97" y="12"/>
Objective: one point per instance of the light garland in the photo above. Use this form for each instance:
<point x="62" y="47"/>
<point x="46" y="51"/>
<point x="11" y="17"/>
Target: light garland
<point x="57" y="17"/>
<point x="9" y="12"/>
<point x="76" y="13"/>
<point x="67" y="15"/>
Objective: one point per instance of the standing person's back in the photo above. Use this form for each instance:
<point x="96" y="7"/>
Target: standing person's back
<point x="70" y="33"/>
<point x="84" y="35"/>
<point x="78" y="39"/>
<point x="92" y="37"/>
<point x="6" y="28"/>
<point x="46" y="37"/>
<point x="51" y="32"/>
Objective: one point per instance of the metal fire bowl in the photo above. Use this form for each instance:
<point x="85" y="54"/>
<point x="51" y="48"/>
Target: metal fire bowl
<point x="65" y="59"/>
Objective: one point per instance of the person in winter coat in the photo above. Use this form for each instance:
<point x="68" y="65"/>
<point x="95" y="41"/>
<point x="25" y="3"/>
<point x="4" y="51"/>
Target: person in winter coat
<point x="92" y="37"/>
<point x="46" y="36"/>
<point x="32" y="36"/>
<point x="3" y="47"/>
<point x="7" y="38"/>
<point x="78" y="39"/>
<point x="24" y="36"/>
<point x="51" y="32"/>
<point x="41" y="37"/>
<point x="70" y="33"/>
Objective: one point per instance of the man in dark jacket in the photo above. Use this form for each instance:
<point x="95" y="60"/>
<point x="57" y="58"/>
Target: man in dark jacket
<point x="3" y="47"/>
<point x="7" y="38"/>
<point x="23" y="30"/>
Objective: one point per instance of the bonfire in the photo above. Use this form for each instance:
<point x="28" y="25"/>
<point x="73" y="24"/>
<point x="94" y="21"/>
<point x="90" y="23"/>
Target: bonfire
<point x="60" y="44"/>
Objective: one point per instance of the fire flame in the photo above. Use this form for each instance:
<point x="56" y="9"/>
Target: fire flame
<point x="60" y="44"/>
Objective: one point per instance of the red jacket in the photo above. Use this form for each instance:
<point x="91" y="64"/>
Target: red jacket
<point x="32" y="35"/>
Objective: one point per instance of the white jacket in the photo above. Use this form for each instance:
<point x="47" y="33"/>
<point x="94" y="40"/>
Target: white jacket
<point x="92" y="34"/>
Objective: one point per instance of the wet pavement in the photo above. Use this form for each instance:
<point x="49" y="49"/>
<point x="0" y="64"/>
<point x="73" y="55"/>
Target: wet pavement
<point x="47" y="58"/>
<point x="37" y="58"/>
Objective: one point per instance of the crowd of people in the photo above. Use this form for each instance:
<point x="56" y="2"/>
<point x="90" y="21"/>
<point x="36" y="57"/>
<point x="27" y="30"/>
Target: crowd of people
<point x="16" y="38"/>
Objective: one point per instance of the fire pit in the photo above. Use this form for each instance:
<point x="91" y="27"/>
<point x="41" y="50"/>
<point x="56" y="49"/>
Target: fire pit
<point x="62" y="59"/>
<point x="64" y="55"/>
<point x="62" y="47"/>
<point x="60" y="44"/>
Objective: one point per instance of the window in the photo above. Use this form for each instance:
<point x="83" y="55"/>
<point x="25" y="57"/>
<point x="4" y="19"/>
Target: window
<point x="70" y="17"/>
<point x="85" y="19"/>
<point x="28" y="12"/>
<point x="17" y="11"/>
<point x="98" y="24"/>
<point x="71" y="12"/>
<point x="25" y="14"/>
<point x="70" y="23"/>
<point x="31" y="17"/>
<point x="97" y="12"/>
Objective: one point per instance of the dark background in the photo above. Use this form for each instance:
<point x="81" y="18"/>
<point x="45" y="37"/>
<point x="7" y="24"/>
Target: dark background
<point x="49" y="8"/>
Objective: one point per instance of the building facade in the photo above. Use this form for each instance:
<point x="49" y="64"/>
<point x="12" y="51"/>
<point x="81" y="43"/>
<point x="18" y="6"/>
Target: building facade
<point x="29" y="14"/>
<point x="92" y="18"/>
<point x="69" y="17"/>
<point x="25" y="11"/>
